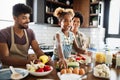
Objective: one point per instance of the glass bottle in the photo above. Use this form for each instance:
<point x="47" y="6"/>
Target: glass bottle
<point x="108" y="59"/>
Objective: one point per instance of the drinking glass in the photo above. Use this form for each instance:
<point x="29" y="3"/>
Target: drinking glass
<point x="108" y="59"/>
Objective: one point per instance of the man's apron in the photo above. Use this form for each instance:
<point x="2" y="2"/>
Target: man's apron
<point x="18" y="50"/>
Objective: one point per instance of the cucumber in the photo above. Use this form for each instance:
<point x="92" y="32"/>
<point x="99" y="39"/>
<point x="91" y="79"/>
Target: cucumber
<point x="73" y="64"/>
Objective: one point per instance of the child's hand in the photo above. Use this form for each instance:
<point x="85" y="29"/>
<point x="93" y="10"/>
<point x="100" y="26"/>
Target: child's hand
<point x="62" y="63"/>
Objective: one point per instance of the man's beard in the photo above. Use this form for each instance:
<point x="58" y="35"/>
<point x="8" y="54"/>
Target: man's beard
<point x="23" y="27"/>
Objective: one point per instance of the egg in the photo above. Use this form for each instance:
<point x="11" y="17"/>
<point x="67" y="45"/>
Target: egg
<point x="81" y="71"/>
<point x="76" y="70"/>
<point x="69" y="70"/>
<point x="63" y="71"/>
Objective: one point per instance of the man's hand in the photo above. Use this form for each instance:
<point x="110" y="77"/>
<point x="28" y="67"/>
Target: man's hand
<point x="32" y="57"/>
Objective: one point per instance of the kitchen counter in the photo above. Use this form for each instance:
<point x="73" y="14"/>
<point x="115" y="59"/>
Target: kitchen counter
<point x="114" y="72"/>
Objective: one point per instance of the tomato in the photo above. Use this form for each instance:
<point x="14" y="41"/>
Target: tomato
<point x="78" y="58"/>
<point x="40" y="70"/>
<point x="83" y="58"/>
<point x="47" y="68"/>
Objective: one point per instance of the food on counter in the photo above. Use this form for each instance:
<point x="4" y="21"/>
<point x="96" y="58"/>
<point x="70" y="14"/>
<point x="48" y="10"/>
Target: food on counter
<point x="100" y="57"/>
<point x="76" y="70"/>
<point x="39" y="67"/>
<point x="44" y="58"/>
<point x="81" y="71"/>
<point x="63" y="71"/>
<point x="102" y="71"/>
<point x="74" y="58"/>
<point x="69" y="70"/>
<point x="73" y="64"/>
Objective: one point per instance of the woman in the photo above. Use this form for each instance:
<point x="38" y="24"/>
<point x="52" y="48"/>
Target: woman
<point x="64" y="38"/>
<point x="81" y="39"/>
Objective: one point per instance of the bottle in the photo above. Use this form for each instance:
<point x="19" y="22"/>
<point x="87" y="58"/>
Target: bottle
<point x="108" y="59"/>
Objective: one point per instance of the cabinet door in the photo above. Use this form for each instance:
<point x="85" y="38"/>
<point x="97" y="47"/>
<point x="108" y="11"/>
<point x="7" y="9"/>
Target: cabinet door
<point x="82" y="6"/>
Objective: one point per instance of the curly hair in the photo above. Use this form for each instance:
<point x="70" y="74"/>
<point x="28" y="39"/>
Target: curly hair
<point x="60" y="12"/>
<point x="79" y="15"/>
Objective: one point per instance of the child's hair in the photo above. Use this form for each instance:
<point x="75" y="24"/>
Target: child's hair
<point x="60" y="12"/>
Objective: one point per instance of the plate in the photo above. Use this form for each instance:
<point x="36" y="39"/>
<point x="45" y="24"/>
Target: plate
<point x="6" y="73"/>
<point x="69" y="76"/>
<point x="41" y="73"/>
<point x="101" y="71"/>
<point x="101" y="76"/>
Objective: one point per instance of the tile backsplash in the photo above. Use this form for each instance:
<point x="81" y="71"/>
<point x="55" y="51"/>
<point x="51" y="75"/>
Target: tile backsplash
<point x="44" y="34"/>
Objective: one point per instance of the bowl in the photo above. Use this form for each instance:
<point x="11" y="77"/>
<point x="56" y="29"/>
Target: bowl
<point x="41" y="73"/>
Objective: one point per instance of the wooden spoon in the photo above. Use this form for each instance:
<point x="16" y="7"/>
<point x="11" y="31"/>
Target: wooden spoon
<point x="15" y="75"/>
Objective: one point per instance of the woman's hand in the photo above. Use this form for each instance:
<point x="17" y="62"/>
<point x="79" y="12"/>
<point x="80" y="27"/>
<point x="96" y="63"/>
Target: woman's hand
<point x="62" y="63"/>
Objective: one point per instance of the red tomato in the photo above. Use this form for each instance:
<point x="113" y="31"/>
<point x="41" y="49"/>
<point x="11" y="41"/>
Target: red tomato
<point x="40" y="70"/>
<point x="78" y="58"/>
<point x="47" y="68"/>
<point x="83" y="58"/>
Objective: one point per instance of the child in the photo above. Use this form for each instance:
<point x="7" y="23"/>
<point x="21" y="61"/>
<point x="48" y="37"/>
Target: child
<point x="64" y="38"/>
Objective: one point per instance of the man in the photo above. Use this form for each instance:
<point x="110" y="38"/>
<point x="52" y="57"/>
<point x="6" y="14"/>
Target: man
<point x="16" y="40"/>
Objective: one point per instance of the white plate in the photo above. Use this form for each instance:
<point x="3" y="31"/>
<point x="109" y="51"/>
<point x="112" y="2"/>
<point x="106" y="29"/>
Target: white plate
<point x="41" y="73"/>
<point x="68" y="76"/>
<point x="6" y="73"/>
<point x="100" y="76"/>
<point x="99" y="69"/>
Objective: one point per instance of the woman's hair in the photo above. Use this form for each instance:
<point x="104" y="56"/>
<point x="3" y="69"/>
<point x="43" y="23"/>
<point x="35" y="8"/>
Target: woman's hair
<point x="60" y="12"/>
<point x="79" y="15"/>
<point x="21" y="9"/>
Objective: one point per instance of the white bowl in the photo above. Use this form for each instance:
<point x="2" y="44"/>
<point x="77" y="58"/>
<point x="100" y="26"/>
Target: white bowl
<point x="41" y="73"/>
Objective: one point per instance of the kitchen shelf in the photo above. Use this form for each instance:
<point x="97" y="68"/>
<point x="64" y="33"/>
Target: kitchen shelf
<point x="50" y="8"/>
<point x="96" y="12"/>
<point x="58" y="3"/>
<point x="93" y="15"/>
<point x="94" y="3"/>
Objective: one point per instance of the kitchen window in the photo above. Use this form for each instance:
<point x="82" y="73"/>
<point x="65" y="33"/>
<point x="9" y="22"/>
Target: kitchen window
<point x="6" y="17"/>
<point x="113" y="30"/>
<point x="7" y="5"/>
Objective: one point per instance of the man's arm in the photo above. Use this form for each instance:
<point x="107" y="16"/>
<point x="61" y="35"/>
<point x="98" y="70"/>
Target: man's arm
<point x="36" y="48"/>
<point x="7" y="60"/>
